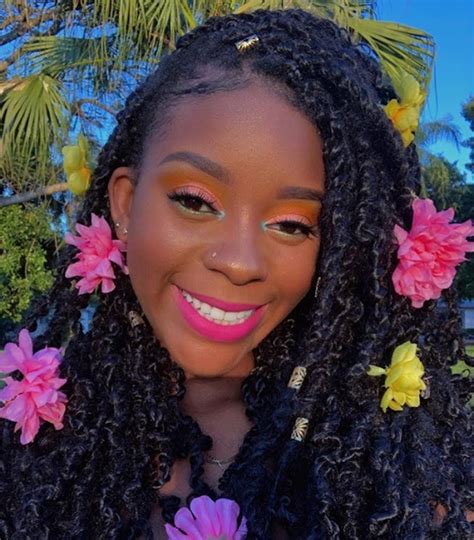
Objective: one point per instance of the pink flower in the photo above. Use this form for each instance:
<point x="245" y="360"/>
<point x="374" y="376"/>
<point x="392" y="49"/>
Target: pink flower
<point x="97" y="251"/>
<point x="429" y="253"/>
<point x="208" y="520"/>
<point x="36" y="396"/>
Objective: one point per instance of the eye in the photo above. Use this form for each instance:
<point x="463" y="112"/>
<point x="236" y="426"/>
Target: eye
<point x="296" y="228"/>
<point x="193" y="201"/>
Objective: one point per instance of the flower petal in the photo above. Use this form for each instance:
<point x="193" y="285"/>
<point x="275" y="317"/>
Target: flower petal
<point x="29" y="429"/>
<point x="25" y="342"/>
<point x="185" y="521"/>
<point x="400" y="397"/>
<point x="175" y="534"/>
<point x="11" y="359"/>
<point x="204" y="511"/>
<point x="413" y="400"/>
<point x="227" y="512"/>
<point x="242" y="530"/>
<point x="395" y="406"/>
<point x="388" y="395"/>
<point x="403" y="353"/>
<point x="375" y="371"/>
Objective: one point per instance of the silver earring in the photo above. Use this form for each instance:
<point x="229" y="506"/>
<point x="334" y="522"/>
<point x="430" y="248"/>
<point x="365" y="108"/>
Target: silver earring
<point x="125" y="230"/>
<point x="214" y="254"/>
<point x="316" y="289"/>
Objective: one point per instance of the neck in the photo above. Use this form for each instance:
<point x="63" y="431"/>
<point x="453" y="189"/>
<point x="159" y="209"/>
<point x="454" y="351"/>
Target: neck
<point x="207" y="396"/>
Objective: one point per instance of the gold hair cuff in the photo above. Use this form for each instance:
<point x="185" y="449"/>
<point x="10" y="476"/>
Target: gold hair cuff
<point x="135" y="319"/>
<point x="247" y="43"/>
<point x="300" y="429"/>
<point x="297" y="378"/>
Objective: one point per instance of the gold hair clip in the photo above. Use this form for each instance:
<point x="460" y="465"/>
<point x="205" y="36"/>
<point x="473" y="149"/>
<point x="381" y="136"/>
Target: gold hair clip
<point x="247" y="43"/>
<point x="300" y="429"/>
<point x="297" y="378"/>
<point x="135" y="319"/>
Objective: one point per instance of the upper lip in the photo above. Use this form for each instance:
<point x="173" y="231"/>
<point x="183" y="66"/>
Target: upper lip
<point x="226" y="306"/>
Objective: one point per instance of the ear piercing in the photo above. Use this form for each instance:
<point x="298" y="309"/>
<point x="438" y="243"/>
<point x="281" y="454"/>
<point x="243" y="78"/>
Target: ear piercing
<point x="125" y="230"/>
<point x="214" y="254"/>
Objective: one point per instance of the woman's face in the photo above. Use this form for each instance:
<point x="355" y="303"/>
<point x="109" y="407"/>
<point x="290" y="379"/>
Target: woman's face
<point x="222" y="225"/>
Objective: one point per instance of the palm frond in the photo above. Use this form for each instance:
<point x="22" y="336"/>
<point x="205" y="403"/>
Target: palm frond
<point x="399" y="47"/>
<point x="251" y="5"/>
<point x="32" y="115"/>
<point x="57" y="55"/>
<point x="439" y="130"/>
<point x="143" y="27"/>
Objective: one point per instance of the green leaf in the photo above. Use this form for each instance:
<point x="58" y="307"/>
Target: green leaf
<point x="33" y="116"/>
<point x="399" y="47"/>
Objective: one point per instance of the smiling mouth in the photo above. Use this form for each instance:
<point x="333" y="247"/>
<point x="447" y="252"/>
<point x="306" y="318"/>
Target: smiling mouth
<point x="215" y="314"/>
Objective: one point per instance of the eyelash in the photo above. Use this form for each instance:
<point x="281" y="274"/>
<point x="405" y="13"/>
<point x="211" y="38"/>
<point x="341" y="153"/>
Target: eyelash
<point x="202" y="197"/>
<point x="307" y="230"/>
<point x="194" y="195"/>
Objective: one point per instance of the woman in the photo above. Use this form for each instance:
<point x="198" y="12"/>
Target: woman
<point x="255" y="182"/>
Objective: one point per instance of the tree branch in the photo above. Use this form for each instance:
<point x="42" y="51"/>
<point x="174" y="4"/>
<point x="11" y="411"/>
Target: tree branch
<point x="24" y="25"/>
<point x="31" y="195"/>
<point x="78" y="104"/>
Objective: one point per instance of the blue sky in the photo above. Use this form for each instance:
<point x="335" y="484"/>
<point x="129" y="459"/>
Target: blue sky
<point x="451" y="23"/>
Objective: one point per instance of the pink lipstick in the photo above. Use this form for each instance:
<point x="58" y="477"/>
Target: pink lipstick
<point x="212" y="330"/>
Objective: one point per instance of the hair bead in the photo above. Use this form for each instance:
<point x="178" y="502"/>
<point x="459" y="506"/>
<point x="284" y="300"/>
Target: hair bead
<point x="247" y="43"/>
<point x="297" y="378"/>
<point x="300" y="429"/>
<point x="135" y="319"/>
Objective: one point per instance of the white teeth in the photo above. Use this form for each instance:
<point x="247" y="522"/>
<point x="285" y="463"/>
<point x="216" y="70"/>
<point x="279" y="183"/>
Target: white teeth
<point x="215" y="314"/>
<point x="205" y="308"/>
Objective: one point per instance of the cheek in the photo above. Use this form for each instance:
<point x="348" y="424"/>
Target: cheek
<point x="295" y="272"/>
<point x="155" y="243"/>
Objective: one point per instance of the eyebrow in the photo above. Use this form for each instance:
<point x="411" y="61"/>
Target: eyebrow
<point x="219" y="172"/>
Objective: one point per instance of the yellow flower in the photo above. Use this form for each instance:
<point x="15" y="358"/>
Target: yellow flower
<point x="78" y="182"/>
<point x="74" y="158"/>
<point x="403" y="381"/>
<point x="408" y="88"/>
<point x="76" y="167"/>
<point x="404" y="113"/>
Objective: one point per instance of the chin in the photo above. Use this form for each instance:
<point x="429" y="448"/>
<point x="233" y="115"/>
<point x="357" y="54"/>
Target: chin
<point x="205" y="372"/>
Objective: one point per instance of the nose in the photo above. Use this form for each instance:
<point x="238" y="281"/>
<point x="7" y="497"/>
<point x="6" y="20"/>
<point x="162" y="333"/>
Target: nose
<point x="239" y="255"/>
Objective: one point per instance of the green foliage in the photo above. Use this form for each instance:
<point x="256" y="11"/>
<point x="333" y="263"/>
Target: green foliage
<point x="32" y="118"/>
<point x="461" y="368"/>
<point x="443" y="182"/>
<point x="64" y="64"/>
<point x="468" y="113"/>
<point x="25" y="236"/>
<point x="446" y="185"/>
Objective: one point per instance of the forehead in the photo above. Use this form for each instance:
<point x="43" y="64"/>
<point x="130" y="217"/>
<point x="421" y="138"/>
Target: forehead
<point x="251" y="131"/>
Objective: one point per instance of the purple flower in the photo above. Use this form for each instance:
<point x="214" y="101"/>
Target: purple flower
<point x="208" y="520"/>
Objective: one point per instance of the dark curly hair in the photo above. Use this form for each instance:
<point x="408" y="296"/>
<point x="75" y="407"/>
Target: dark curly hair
<point x="359" y="473"/>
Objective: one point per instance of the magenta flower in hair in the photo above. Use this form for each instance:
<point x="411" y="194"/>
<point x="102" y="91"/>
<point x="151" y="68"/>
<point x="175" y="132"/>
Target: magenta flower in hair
<point x="97" y="250"/>
<point x="429" y="253"/>
<point x="35" y="396"/>
<point x="208" y="520"/>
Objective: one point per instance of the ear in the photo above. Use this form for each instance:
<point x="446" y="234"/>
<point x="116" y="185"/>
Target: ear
<point x="121" y="189"/>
